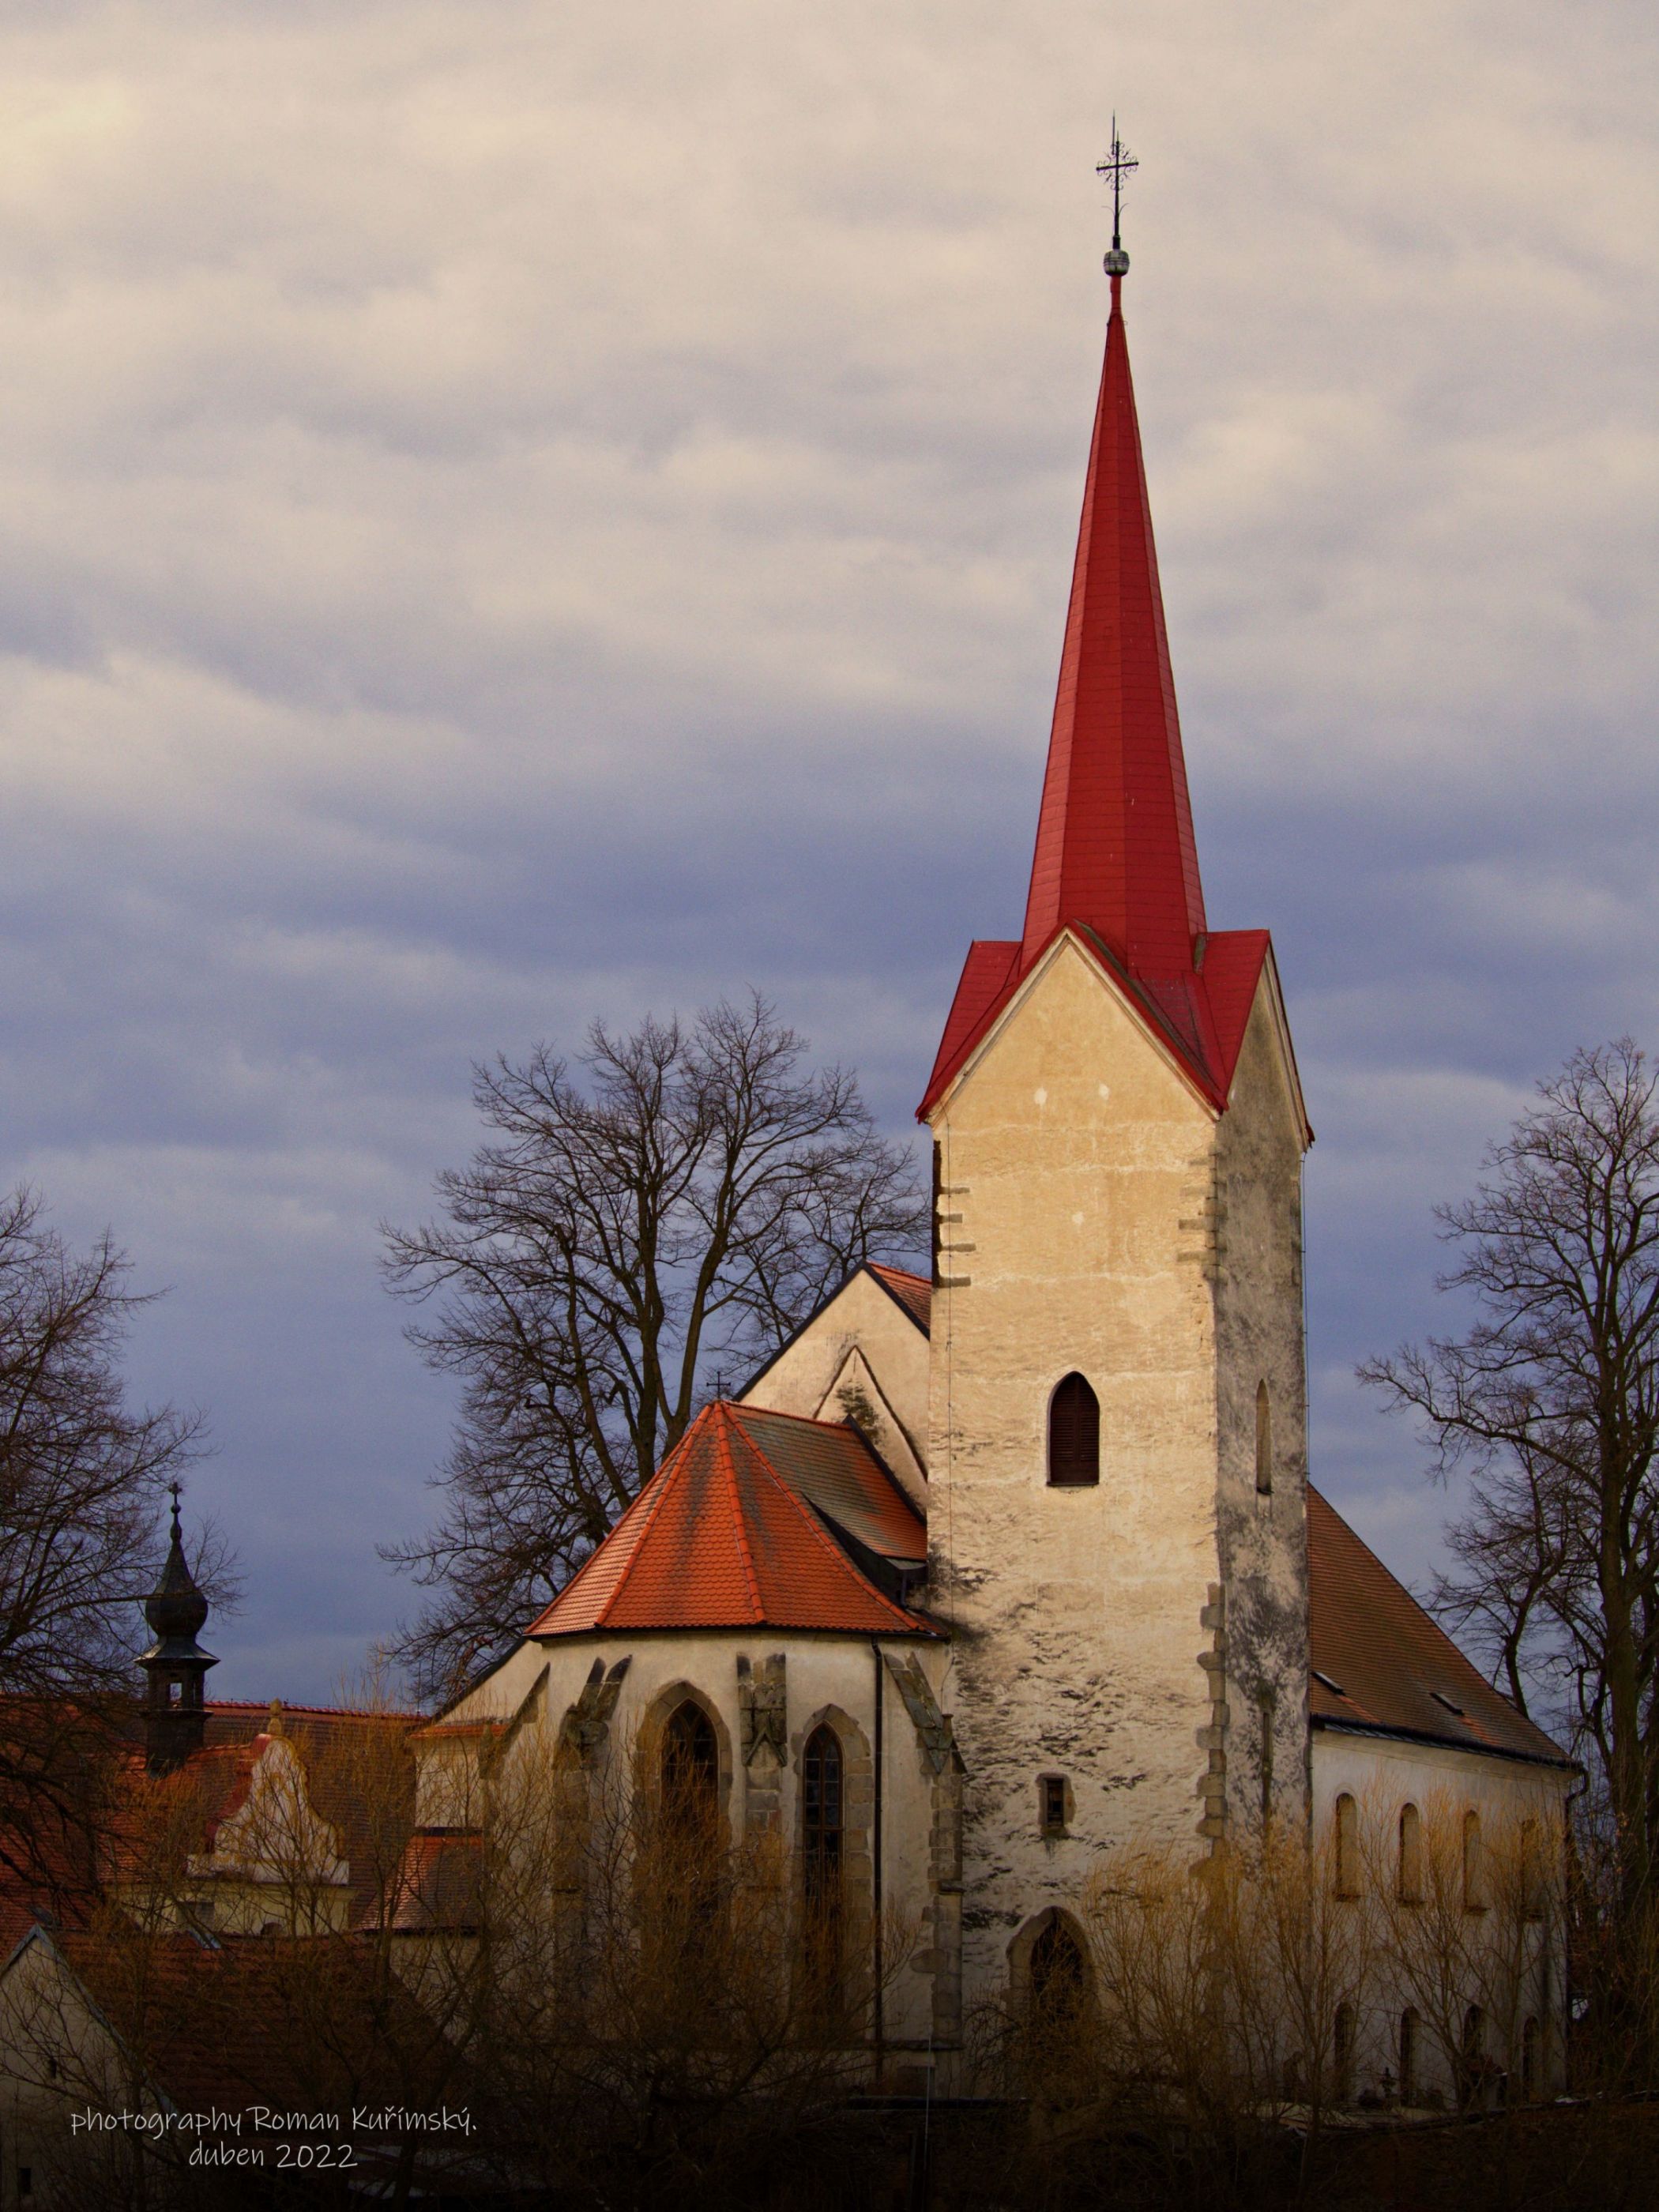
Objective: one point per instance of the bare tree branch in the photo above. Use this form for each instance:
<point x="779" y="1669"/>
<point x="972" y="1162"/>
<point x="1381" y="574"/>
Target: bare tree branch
<point x="672" y="1201"/>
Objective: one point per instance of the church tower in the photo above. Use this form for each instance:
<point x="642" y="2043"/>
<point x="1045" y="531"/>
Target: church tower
<point x="1117" y="1414"/>
<point x="175" y="1665"/>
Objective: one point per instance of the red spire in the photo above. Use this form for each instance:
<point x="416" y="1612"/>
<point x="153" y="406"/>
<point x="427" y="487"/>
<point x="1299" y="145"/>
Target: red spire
<point x="1115" y="843"/>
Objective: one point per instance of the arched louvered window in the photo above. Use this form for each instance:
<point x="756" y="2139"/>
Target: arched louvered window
<point x="1342" y="2040"/>
<point x="1073" y="1435"/>
<point x="690" y="1768"/>
<point x="1264" y="1442"/>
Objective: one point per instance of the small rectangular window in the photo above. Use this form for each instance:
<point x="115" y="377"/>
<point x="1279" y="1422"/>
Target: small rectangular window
<point x="1052" y="1788"/>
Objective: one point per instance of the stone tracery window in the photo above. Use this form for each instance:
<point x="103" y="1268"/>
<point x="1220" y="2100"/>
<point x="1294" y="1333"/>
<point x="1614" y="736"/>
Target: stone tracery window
<point x="690" y="1769"/>
<point x="822" y="1829"/>
<point x="1059" y="1973"/>
<point x="1073" y="1435"/>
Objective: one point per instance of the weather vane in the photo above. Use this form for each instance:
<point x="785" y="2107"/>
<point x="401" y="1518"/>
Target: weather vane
<point x="1119" y="164"/>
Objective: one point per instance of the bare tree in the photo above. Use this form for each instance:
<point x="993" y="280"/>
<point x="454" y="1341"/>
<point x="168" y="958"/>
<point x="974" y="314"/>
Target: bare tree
<point x="80" y="1479"/>
<point x="671" y="1199"/>
<point x="1551" y="1403"/>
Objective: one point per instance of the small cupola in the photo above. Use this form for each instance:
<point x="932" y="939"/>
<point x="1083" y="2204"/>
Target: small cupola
<point x="175" y="1665"/>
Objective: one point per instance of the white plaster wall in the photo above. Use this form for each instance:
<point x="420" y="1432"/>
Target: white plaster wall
<point x="861" y="1358"/>
<point x="824" y="1675"/>
<point x="1080" y="1165"/>
<point x="1382" y="1774"/>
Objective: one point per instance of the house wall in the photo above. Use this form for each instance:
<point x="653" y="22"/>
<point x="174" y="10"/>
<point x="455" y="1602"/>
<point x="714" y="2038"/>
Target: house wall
<point x="1259" y="1743"/>
<point x="1512" y="1966"/>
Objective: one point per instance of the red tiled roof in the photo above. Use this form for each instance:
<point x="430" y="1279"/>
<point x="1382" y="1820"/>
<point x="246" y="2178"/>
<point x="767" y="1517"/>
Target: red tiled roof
<point x="914" y="1292"/>
<point x="721" y="1538"/>
<point x="1387" y="1664"/>
<point x="1115" y="862"/>
<point x="834" y="1470"/>
<point x="1201" y="1017"/>
<point x="227" y="2025"/>
<point x="439" y="1882"/>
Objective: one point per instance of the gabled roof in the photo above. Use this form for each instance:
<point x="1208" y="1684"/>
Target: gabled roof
<point x="724" y="1535"/>
<point x="1381" y="1665"/>
<point x="915" y="1293"/>
<point x="1201" y="1018"/>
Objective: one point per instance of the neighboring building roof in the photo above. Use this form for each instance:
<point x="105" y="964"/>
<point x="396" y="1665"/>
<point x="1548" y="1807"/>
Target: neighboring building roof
<point x="363" y="1790"/>
<point x="293" y="2025"/>
<point x="440" y="1883"/>
<point x="1381" y="1663"/>
<point x="724" y="1535"/>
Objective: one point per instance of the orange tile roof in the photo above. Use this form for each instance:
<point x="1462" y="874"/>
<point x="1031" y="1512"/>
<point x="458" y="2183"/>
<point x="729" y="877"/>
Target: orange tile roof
<point x="721" y="1537"/>
<point x="1386" y="1665"/>
<point x="914" y="1292"/>
<point x="834" y="1469"/>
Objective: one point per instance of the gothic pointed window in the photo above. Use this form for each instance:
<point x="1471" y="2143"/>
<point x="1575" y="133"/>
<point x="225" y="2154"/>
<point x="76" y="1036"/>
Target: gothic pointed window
<point x="690" y="1769"/>
<point x="821" y="1831"/>
<point x="1059" y="1975"/>
<point x="1073" y="1435"/>
<point x="1264" y="1442"/>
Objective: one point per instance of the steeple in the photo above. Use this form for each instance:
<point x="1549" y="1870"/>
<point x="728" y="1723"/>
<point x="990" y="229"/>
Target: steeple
<point x="1115" y="863"/>
<point x="176" y="1714"/>
<point x="1115" y="847"/>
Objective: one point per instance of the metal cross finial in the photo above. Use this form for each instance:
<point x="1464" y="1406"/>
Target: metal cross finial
<point x="1119" y="165"/>
<point x="176" y="1487"/>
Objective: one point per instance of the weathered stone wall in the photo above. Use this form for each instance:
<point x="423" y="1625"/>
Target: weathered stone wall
<point x="1079" y="1179"/>
<point x="1260" y="1744"/>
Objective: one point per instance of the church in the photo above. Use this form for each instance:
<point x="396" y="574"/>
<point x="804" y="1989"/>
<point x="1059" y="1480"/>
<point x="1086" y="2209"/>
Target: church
<point x="985" y="1576"/>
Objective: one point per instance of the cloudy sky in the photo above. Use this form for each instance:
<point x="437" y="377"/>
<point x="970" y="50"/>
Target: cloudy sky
<point x="514" y="512"/>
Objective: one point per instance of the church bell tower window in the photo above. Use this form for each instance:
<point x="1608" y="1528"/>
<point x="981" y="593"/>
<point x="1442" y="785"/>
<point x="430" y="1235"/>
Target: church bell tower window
<point x="1073" y="1435"/>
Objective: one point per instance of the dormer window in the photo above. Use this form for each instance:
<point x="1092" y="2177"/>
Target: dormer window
<point x="1073" y="1435"/>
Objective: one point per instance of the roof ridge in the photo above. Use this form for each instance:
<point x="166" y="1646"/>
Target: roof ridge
<point x="647" y="1502"/>
<point x="723" y="1424"/>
